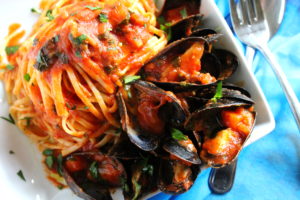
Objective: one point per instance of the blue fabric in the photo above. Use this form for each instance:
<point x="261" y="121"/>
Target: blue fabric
<point x="270" y="167"/>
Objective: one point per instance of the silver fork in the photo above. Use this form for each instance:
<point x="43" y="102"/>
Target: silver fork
<point x="251" y="27"/>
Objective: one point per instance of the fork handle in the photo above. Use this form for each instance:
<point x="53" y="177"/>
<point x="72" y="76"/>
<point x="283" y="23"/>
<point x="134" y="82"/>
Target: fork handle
<point x="288" y="90"/>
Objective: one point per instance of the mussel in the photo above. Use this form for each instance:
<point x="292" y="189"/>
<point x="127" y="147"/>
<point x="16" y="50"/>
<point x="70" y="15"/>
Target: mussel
<point x="188" y="63"/>
<point x="175" y="176"/>
<point x="173" y="11"/>
<point x="223" y="124"/>
<point x="144" y="116"/>
<point x="90" y="175"/>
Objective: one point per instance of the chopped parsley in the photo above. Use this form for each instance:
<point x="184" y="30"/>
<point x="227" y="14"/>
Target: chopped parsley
<point x="218" y="94"/>
<point x="85" y="107"/>
<point x="94" y="170"/>
<point x="130" y="78"/>
<point x="178" y="135"/>
<point x="21" y="175"/>
<point x="48" y="152"/>
<point x="167" y="29"/>
<point x="148" y="169"/>
<point x="27" y="77"/>
<point x="10" y="67"/>
<point x="35" y="10"/>
<point x="103" y="17"/>
<point x="11" y="49"/>
<point x="183" y="13"/>
<point x="59" y="164"/>
<point x="137" y="189"/>
<point x="9" y="119"/>
<point x="49" y="161"/>
<point x="60" y="187"/>
<point x="28" y="120"/>
<point x="49" y="15"/>
<point x="11" y="152"/>
<point x="93" y="8"/>
<point x="71" y="107"/>
<point x="79" y="40"/>
<point x="78" y="54"/>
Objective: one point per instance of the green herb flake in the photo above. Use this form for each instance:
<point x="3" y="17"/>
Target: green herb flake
<point x="10" y="119"/>
<point x="27" y="77"/>
<point x="137" y="189"/>
<point x="60" y="164"/>
<point x="127" y="89"/>
<point x="130" y="78"/>
<point x="10" y="67"/>
<point x="78" y="54"/>
<point x="48" y="152"/>
<point x="35" y="10"/>
<point x="183" y="13"/>
<point x="11" y="49"/>
<point x="178" y="135"/>
<point x="93" y="8"/>
<point x="28" y="120"/>
<point x="60" y="187"/>
<point x="85" y="107"/>
<point x="49" y="15"/>
<point x="161" y="20"/>
<point x="11" y="152"/>
<point x="80" y="39"/>
<point x="218" y="94"/>
<point x="94" y="170"/>
<point x="21" y="175"/>
<point x="148" y="169"/>
<point x="103" y="17"/>
<point x="49" y="161"/>
<point x="71" y="107"/>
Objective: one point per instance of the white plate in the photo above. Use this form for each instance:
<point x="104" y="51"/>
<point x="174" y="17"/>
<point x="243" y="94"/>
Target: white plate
<point x="26" y="156"/>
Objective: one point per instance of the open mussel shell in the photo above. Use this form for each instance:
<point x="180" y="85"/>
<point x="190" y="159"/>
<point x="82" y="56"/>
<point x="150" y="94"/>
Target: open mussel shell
<point x="175" y="177"/>
<point x="184" y="150"/>
<point x="207" y="121"/>
<point x="90" y="174"/>
<point x="145" y="142"/>
<point x="191" y="6"/>
<point x="143" y="173"/>
<point x="172" y="113"/>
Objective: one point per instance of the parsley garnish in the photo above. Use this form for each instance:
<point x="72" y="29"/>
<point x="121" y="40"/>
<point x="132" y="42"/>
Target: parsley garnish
<point x="9" y="119"/>
<point x="94" y="169"/>
<point x="85" y="107"/>
<point x="167" y="29"/>
<point x="11" y="152"/>
<point x="80" y="39"/>
<point x="27" y="77"/>
<point x="34" y="10"/>
<point x="218" y="94"/>
<point x="93" y="8"/>
<point x="21" y="175"/>
<point x="11" y="49"/>
<point x="183" y="13"/>
<point x="48" y="152"/>
<point x="103" y="17"/>
<point x="130" y="78"/>
<point x="60" y="187"/>
<point x="137" y="189"/>
<point x="71" y="107"/>
<point x="178" y="135"/>
<point x="78" y="54"/>
<point x="59" y="164"/>
<point x="28" y="119"/>
<point x="49" y="161"/>
<point x="148" y="169"/>
<point x="10" y="67"/>
<point x="49" y="15"/>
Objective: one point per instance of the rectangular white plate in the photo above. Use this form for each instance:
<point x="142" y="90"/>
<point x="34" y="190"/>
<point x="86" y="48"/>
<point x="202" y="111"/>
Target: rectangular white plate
<point x="27" y="158"/>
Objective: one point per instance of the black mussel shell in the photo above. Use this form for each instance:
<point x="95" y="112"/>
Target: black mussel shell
<point x="145" y="142"/>
<point x="173" y="114"/>
<point x="229" y="63"/>
<point x="183" y="150"/>
<point x="169" y="172"/>
<point x="93" y="188"/>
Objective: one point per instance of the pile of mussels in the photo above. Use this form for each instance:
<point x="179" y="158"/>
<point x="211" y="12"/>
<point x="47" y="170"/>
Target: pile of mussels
<point x="171" y="127"/>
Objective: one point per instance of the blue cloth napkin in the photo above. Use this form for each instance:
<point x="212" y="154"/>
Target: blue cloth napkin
<point x="270" y="167"/>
